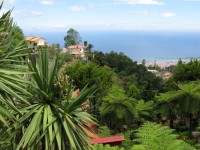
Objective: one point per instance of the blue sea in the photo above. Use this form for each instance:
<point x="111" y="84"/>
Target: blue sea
<point x="138" y="45"/>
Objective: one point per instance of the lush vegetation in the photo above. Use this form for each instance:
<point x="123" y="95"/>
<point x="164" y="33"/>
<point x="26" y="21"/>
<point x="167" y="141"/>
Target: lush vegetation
<point x="37" y="108"/>
<point x="40" y="110"/>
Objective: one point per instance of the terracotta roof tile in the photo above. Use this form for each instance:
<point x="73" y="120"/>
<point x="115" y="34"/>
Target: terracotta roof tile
<point x="33" y="38"/>
<point x="77" y="46"/>
<point x="107" y="140"/>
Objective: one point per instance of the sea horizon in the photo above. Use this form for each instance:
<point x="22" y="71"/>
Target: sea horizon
<point x="138" y="45"/>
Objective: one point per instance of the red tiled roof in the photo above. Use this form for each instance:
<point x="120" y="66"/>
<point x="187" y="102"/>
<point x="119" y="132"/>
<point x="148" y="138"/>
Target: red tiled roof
<point x="77" y="46"/>
<point x="33" y="38"/>
<point x="106" y="140"/>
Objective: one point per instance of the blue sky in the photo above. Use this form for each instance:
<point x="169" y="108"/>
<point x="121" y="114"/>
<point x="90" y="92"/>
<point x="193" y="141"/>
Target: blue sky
<point x="59" y="15"/>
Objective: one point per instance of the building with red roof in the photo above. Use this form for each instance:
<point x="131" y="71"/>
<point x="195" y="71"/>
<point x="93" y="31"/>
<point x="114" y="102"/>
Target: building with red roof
<point x="33" y="42"/>
<point x="77" y="51"/>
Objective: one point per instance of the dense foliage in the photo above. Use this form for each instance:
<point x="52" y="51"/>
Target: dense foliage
<point x="47" y="101"/>
<point x="187" y="71"/>
<point x="37" y="107"/>
<point x="152" y="136"/>
<point x="130" y="73"/>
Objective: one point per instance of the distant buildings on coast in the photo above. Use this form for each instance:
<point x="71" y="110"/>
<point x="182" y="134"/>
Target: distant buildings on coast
<point x="161" y="64"/>
<point x="160" y="69"/>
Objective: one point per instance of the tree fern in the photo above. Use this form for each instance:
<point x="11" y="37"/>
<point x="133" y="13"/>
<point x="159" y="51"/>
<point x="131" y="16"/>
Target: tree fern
<point x="106" y="147"/>
<point x="105" y="131"/>
<point x="152" y="136"/>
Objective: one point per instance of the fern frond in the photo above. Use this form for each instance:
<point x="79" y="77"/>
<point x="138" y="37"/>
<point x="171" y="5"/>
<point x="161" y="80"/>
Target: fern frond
<point x="152" y="136"/>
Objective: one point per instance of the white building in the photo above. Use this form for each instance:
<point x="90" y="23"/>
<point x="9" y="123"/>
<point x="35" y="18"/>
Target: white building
<point x="77" y="51"/>
<point x="33" y="42"/>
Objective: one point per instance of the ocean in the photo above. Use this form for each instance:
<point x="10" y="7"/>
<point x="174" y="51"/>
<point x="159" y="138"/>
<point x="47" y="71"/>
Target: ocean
<point x="138" y="45"/>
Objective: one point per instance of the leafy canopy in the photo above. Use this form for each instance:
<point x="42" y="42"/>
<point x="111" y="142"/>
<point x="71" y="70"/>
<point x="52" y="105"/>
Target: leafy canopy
<point x="72" y="38"/>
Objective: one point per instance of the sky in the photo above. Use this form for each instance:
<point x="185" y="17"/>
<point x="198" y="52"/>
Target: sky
<point x="59" y="15"/>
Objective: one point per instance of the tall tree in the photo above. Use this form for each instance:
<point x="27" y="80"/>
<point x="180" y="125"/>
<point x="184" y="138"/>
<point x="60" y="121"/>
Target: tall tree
<point x="184" y="102"/>
<point x="90" y="74"/>
<point x="131" y="73"/>
<point x="118" y="109"/>
<point x="72" y="38"/>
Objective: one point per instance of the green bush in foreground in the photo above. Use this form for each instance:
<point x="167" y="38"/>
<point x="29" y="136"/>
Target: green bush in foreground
<point x="152" y="136"/>
<point x="106" y="147"/>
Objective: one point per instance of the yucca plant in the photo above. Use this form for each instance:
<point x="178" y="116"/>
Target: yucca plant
<point x="152" y="136"/>
<point x="54" y="120"/>
<point x="48" y="118"/>
<point x="12" y="84"/>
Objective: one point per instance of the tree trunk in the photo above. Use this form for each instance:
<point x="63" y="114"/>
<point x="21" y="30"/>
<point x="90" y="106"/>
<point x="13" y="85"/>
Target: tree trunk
<point x="171" y="123"/>
<point x="190" y="122"/>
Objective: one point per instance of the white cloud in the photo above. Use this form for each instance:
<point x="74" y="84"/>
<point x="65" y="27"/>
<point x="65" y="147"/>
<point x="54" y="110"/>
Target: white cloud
<point x="47" y="2"/>
<point x="26" y="13"/>
<point x="36" y="13"/>
<point x="77" y="8"/>
<point x="142" y="2"/>
<point x="168" y="15"/>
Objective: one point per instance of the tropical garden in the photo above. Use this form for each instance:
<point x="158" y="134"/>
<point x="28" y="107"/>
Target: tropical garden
<point x="38" y="108"/>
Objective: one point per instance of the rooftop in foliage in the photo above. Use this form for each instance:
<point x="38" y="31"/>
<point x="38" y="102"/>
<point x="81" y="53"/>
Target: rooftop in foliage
<point x="33" y="38"/>
<point x="77" y="46"/>
<point x="107" y="140"/>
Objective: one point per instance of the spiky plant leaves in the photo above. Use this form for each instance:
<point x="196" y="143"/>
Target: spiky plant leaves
<point x="13" y="91"/>
<point x="53" y="121"/>
<point x="152" y="136"/>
